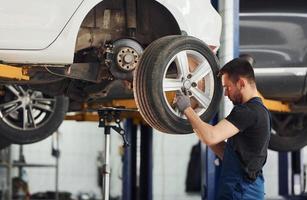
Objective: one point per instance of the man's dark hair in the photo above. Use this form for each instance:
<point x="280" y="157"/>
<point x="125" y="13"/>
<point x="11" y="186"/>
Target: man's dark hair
<point x="238" y="67"/>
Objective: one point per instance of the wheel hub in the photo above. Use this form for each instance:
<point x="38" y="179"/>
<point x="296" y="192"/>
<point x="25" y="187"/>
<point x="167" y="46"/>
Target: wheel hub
<point x="26" y="100"/>
<point x="127" y="59"/>
<point x="187" y="84"/>
<point x="122" y="57"/>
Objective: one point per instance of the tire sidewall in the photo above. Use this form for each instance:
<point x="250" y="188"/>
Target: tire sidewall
<point x="288" y="143"/>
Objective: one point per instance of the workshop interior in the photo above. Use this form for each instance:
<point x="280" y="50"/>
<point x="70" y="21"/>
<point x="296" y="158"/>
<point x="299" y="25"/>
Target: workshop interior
<point x="88" y="94"/>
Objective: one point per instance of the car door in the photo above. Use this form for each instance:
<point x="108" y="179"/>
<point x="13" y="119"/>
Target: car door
<point x="33" y="24"/>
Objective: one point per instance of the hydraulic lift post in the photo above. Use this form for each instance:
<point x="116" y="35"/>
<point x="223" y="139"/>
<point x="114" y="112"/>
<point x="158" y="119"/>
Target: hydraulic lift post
<point x="109" y="118"/>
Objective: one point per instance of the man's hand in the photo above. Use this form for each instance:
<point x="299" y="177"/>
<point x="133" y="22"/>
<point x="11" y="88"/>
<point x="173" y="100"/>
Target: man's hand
<point x="182" y="101"/>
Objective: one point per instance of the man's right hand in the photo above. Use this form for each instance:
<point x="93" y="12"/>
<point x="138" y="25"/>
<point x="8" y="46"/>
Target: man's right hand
<point x="182" y="101"/>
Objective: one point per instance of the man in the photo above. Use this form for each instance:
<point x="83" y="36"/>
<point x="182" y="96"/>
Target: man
<point x="247" y="129"/>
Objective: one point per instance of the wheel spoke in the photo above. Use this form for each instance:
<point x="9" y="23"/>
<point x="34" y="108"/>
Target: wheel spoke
<point x="5" y="113"/>
<point x="40" y="99"/>
<point x="24" y="118"/>
<point x="43" y="101"/>
<point x="42" y="107"/>
<point x="201" y="71"/>
<point x="171" y="84"/>
<point x="30" y="112"/>
<point x="23" y="92"/>
<point x="9" y="104"/>
<point x="200" y="97"/>
<point x="13" y="90"/>
<point x="183" y="64"/>
<point x="180" y="114"/>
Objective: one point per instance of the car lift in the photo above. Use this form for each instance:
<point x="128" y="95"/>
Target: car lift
<point x="107" y="117"/>
<point x="110" y="118"/>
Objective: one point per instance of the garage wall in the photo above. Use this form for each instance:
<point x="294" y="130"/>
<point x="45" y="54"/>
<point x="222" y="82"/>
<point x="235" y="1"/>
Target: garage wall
<point x="171" y="157"/>
<point x="270" y="172"/>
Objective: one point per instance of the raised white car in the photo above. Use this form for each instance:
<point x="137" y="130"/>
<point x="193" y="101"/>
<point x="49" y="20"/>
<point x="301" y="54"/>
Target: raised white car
<point x="97" y="51"/>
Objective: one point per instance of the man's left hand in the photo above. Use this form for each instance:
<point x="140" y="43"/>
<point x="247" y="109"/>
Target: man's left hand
<point x="182" y="101"/>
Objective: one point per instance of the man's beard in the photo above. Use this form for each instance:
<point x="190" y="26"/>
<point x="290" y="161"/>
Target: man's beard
<point x="237" y="98"/>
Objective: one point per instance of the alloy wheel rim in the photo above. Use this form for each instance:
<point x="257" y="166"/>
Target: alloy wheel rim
<point x="25" y="109"/>
<point x="194" y="74"/>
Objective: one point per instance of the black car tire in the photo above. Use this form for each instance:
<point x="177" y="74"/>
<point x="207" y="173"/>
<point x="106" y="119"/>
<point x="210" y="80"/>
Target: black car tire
<point x="4" y="143"/>
<point x="157" y="60"/>
<point x="286" y="144"/>
<point x="48" y="125"/>
<point x="287" y="136"/>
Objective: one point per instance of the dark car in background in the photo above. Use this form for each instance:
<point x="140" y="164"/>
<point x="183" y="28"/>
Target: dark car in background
<point x="274" y="32"/>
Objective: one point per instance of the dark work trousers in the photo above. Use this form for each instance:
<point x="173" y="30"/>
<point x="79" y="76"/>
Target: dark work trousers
<point x="233" y="184"/>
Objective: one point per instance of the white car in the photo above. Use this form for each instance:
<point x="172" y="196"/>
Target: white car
<point x="97" y="51"/>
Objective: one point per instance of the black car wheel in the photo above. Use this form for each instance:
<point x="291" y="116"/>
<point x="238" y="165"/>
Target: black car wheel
<point x="168" y="65"/>
<point x="28" y="116"/>
<point x="4" y="143"/>
<point x="289" y="131"/>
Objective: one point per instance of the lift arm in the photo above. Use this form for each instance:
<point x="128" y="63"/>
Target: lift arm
<point x="274" y="105"/>
<point x="11" y="72"/>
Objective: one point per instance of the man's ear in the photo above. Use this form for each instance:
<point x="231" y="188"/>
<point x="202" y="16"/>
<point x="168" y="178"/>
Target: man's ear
<point x="241" y="83"/>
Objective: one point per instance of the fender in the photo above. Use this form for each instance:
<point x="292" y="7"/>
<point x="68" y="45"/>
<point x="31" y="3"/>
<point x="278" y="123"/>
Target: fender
<point x="61" y="50"/>
<point x="188" y="15"/>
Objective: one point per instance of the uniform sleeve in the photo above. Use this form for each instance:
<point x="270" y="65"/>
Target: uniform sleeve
<point x="241" y="117"/>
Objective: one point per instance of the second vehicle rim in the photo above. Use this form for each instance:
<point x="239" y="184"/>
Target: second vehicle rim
<point x="26" y="109"/>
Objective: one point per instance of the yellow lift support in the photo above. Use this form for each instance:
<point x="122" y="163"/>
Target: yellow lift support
<point x="11" y="72"/>
<point x="275" y="106"/>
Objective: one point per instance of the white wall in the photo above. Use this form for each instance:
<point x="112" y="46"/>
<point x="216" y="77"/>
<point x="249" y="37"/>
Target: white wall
<point x="270" y="172"/>
<point x="171" y="157"/>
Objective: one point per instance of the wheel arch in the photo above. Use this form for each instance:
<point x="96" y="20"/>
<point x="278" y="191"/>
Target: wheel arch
<point x="66" y="42"/>
<point x="200" y="19"/>
<point x="155" y="29"/>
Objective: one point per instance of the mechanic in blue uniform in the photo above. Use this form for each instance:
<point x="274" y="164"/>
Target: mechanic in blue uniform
<point x="246" y="128"/>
